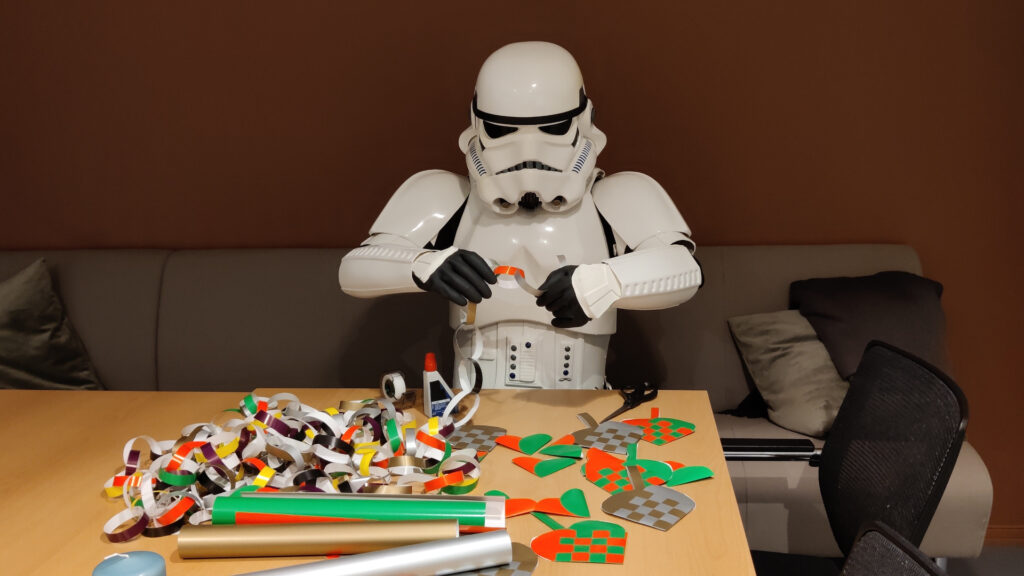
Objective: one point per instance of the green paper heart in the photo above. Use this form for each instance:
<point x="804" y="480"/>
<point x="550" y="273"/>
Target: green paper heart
<point x="575" y="502"/>
<point x="564" y="451"/>
<point x="689" y="474"/>
<point x="547" y="467"/>
<point x="533" y="442"/>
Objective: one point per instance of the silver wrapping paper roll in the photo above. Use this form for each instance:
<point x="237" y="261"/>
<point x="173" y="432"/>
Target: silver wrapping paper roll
<point x="471" y="552"/>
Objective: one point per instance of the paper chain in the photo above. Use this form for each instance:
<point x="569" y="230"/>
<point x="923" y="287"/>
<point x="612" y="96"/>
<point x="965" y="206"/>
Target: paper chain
<point x="280" y="444"/>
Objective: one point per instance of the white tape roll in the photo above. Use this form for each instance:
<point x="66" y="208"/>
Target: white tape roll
<point x="392" y="385"/>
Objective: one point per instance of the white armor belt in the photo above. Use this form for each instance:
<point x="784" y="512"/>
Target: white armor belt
<point x="529" y="355"/>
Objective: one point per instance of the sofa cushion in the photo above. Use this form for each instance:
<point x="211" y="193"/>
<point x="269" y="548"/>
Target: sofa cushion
<point x="689" y="346"/>
<point x="895" y="307"/>
<point x="111" y="298"/>
<point x="791" y="369"/>
<point x="39" y="348"/>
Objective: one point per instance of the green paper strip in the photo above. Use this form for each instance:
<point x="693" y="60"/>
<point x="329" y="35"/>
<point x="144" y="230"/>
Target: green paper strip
<point x="437" y="466"/>
<point x="459" y="490"/>
<point x="468" y="510"/>
<point x="250" y="403"/>
<point x="548" y="521"/>
<point x="564" y="451"/>
<point x="548" y="467"/>
<point x="394" y="436"/>
<point x="689" y="474"/>
<point x="176" y="479"/>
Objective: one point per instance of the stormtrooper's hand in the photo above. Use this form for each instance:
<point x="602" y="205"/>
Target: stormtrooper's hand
<point x="560" y="298"/>
<point x="459" y="275"/>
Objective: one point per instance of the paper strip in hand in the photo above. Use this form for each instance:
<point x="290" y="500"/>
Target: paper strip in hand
<point x="473" y="552"/>
<point x="472" y="512"/>
<point x="319" y="539"/>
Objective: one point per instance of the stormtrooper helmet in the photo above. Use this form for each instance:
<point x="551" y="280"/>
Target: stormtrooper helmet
<point x="532" y="142"/>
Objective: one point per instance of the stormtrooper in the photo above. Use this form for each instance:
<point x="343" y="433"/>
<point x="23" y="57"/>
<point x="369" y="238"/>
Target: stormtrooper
<point x="545" y="245"/>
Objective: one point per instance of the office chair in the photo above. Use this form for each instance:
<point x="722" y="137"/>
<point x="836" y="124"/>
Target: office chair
<point x="881" y="551"/>
<point x="889" y="454"/>
<point x="892" y="447"/>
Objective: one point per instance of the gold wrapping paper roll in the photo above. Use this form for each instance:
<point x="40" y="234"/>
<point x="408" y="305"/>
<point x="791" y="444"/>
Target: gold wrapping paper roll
<point x="318" y="539"/>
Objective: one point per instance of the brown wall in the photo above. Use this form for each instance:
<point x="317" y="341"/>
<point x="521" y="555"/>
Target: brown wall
<point x="232" y="124"/>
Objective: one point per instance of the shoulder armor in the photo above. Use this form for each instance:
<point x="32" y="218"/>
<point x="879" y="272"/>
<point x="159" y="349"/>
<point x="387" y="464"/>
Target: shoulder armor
<point x="637" y="207"/>
<point x="422" y="205"/>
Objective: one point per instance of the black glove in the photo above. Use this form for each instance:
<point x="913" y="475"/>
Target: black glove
<point x="462" y="277"/>
<point x="560" y="299"/>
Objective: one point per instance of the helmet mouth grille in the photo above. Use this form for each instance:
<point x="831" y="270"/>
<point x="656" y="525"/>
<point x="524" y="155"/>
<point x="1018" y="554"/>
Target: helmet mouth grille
<point x="529" y="165"/>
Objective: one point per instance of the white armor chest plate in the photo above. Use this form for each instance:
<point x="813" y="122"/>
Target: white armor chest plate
<point x="532" y="241"/>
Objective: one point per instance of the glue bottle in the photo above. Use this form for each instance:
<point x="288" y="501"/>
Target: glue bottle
<point x="436" y="393"/>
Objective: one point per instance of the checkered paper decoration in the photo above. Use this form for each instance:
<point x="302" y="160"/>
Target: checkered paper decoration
<point x="606" y="471"/>
<point x="610" y="437"/>
<point x="655" y="506"/>
<point x="479" y="438"/>
<point x="660" y="431"/>
<point x="589" y="541"/>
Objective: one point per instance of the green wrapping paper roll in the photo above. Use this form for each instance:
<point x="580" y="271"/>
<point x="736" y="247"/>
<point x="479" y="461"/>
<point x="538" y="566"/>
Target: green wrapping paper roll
<point x="472" y="512"/>
<point x="319" y="539"/>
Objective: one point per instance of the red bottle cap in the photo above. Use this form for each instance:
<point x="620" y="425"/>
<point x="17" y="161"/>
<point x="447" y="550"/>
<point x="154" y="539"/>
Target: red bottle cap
<point x="430" y="363"/>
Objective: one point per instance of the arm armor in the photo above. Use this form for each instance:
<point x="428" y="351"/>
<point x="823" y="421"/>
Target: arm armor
<point x="401" y="237"/>
<point x="658" y="269"/>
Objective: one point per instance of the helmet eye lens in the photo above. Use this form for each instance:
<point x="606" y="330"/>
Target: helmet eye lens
<point x="497" y="130"/>
<point x="557" y="129"/>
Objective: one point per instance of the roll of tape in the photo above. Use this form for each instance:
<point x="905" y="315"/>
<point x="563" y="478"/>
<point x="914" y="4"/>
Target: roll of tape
<point x="392" y="385"/>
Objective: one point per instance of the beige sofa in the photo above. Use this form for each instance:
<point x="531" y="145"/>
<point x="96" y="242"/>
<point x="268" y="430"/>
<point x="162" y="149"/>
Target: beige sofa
<point x="242" y="319"/>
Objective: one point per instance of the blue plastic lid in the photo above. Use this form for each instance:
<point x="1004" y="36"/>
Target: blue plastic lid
<point x="139" y="563"/>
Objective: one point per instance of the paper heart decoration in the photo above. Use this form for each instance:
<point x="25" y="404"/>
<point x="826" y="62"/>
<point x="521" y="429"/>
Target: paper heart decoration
<point x="587" y="541"/>
<point x="609" y="436"/>
<point x="572" y="503"/>
<point x="540" y="467"/>
<point x="654" y="506"/>
<point x="606" y="471"/>
<point x="652" y="471"/>
<point x="479" y="438"/>
<point x="513" y="506"/>
<point x="687" y="474"/>
<point x="527" y="445"/>
<point x="563" y="451"/>
<point x="659" y="431"/>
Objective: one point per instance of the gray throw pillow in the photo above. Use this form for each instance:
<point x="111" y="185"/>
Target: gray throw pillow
<point x="38" y="347"/>
<point x="791" y="369"/>
<point x="898" y="308"/>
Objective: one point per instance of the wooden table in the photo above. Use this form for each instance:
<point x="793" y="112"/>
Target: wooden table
<point x="60" y="447"/>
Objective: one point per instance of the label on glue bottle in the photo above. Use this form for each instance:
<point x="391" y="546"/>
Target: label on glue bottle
<point x="436" y="393"/>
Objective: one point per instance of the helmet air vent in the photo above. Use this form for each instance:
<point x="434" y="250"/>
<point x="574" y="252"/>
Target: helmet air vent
<point x="581" y="160"/>
<point x="475" y="157"/>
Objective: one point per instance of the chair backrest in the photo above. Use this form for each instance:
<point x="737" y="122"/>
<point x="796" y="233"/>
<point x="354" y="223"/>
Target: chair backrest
<point x="892" y="448"/>
<point x="881" y="550"/>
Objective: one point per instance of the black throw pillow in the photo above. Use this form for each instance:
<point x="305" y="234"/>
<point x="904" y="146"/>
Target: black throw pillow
<point x="899" y="308"/>
<point x="38" y="347"/>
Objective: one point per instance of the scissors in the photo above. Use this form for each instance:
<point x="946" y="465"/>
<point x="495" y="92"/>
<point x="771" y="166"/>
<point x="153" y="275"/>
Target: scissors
<point x="633" y="396"/>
